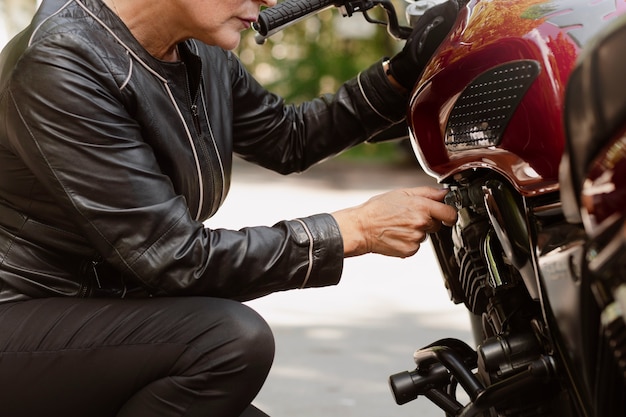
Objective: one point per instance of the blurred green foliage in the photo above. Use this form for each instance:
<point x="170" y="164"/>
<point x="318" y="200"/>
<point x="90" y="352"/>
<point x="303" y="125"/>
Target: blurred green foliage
<point x="312" y="57"/>
<point x="315" y="56"/>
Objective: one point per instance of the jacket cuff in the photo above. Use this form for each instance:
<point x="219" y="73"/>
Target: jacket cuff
<point x="381" y="95"/>
<point x="320" y="235"/>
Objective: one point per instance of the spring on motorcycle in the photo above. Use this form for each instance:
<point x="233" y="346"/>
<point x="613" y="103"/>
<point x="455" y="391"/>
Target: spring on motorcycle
<point x="521" y="114"/>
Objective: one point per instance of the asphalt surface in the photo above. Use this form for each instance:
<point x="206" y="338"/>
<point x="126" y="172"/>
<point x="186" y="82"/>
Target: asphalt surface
<point x="337" y="346"/>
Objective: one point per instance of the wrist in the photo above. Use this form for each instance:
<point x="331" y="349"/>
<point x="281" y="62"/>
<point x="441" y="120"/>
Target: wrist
<point x="391" y="78"/>
<point x="351" y="231"/>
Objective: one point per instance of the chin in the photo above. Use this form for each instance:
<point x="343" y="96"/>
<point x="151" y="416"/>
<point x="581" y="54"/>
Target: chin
<point x="229" y="42"/>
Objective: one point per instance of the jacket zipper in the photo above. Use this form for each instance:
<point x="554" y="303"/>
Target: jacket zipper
<point x="195" y="112"/>
<point x="87" y="284"/>
<point x="172" y="100"/>
<point x="218" y="158"/>
<point x="196" y="119"/>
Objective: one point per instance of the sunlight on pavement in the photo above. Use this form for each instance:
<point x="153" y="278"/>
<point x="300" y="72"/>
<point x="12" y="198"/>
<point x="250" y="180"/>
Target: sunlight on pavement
<point x="336" y="346"/>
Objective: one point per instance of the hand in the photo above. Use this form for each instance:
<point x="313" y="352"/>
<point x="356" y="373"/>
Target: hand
<point x="428" y="33"/>
<point x="394" y="223"/>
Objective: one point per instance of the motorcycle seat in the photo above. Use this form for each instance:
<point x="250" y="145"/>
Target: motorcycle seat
<point x="594" y="111"/>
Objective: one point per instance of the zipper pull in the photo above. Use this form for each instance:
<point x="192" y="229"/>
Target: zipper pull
<point x="196" y="119"/>
<point x="94" y="265"/>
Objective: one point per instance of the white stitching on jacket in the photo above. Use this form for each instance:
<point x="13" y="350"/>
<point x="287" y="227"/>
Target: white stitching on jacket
<point x="130" y="74"/>
<point x="128" y="49"/>
<point x="193" y="149"/>
<point x="32" y="35"/>
<point x="310" y="268"/>
<point x="213" y="142"/>
<point x="171" y="96"/>
<point x="368" y="102"/>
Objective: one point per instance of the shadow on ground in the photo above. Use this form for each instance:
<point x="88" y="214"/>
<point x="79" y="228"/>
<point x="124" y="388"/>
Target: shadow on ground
<point x="337" y="346"/>
<point x="342" y="370"/>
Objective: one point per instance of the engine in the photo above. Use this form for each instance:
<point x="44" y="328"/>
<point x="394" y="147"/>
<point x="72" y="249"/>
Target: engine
<point x="487" y="265"/>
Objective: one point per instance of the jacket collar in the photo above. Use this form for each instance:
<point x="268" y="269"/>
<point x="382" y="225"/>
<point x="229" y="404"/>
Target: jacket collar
<point x="110" y="22"/>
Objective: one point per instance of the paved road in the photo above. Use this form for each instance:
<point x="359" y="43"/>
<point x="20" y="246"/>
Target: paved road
<point x="337" y="346"/>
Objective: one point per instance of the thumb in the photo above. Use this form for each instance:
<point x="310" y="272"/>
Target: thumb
<point x="432" y="193"/>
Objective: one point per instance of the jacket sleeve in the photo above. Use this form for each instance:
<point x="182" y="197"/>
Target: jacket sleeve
<point x="291" y="138"/>
<point x="64" y="119"/>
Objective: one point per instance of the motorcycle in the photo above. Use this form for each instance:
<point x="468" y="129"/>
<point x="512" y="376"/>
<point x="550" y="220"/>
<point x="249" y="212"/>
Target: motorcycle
<point x="521" y="115"/>
<point x="593" y="195"/>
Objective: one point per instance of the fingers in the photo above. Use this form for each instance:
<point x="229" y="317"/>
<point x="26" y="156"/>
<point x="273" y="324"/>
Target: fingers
<point x="429" y="192"/>
<point x="399" y="221"/>
<point x="435" y="209"/>
<point x="444" y="213"/>
<point x="395" y="223"/>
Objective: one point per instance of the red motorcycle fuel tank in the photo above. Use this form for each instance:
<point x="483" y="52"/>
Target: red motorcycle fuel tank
<point x="492" y="96"/>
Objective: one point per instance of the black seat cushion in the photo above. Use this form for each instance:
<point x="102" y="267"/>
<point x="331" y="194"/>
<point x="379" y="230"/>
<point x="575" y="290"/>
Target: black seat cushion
<point x="595" y="106"/>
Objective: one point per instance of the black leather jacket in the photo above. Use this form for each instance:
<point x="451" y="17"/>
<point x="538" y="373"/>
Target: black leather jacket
<point x="110" y="160"/>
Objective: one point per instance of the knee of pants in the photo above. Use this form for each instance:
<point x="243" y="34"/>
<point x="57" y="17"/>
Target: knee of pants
<point x="240" y="337"/>
<point x="255" y="338"/>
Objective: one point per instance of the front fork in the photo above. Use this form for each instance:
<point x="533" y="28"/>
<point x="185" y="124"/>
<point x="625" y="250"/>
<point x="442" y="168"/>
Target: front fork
<point x="487" y="264"/>
<point x="448" y="363"/>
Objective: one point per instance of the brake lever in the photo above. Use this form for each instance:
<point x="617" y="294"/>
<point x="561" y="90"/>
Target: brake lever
<point x="393" y="26"/>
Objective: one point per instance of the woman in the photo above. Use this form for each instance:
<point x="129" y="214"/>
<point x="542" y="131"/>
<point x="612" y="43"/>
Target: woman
<point x="118" y="121"/>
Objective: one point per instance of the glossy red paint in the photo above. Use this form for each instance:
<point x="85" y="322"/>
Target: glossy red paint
<point x="488" y="34"/>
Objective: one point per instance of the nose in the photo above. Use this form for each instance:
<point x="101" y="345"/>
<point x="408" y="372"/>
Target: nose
<point x="269" y="3"/>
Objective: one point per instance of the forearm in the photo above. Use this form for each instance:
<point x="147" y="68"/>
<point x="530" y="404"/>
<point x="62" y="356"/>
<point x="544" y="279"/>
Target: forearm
<point x="287" y="138"/>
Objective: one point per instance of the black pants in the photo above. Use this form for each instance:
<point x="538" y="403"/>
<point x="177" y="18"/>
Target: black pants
<point x="131" y="358"/>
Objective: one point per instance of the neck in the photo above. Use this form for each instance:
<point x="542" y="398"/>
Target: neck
<point x="147" y="28"/>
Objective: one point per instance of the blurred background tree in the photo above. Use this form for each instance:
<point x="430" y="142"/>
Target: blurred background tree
<point x="305" y="60"/>
<point x="317" y="55"/>
<point x="14" y="15"/>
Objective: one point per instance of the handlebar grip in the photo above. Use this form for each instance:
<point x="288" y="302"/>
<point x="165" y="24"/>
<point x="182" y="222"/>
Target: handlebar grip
<point x="288" y="12"/>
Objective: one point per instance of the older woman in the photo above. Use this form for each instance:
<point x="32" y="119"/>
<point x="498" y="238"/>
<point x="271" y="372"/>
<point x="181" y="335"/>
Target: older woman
<point x="118" y="122"/>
